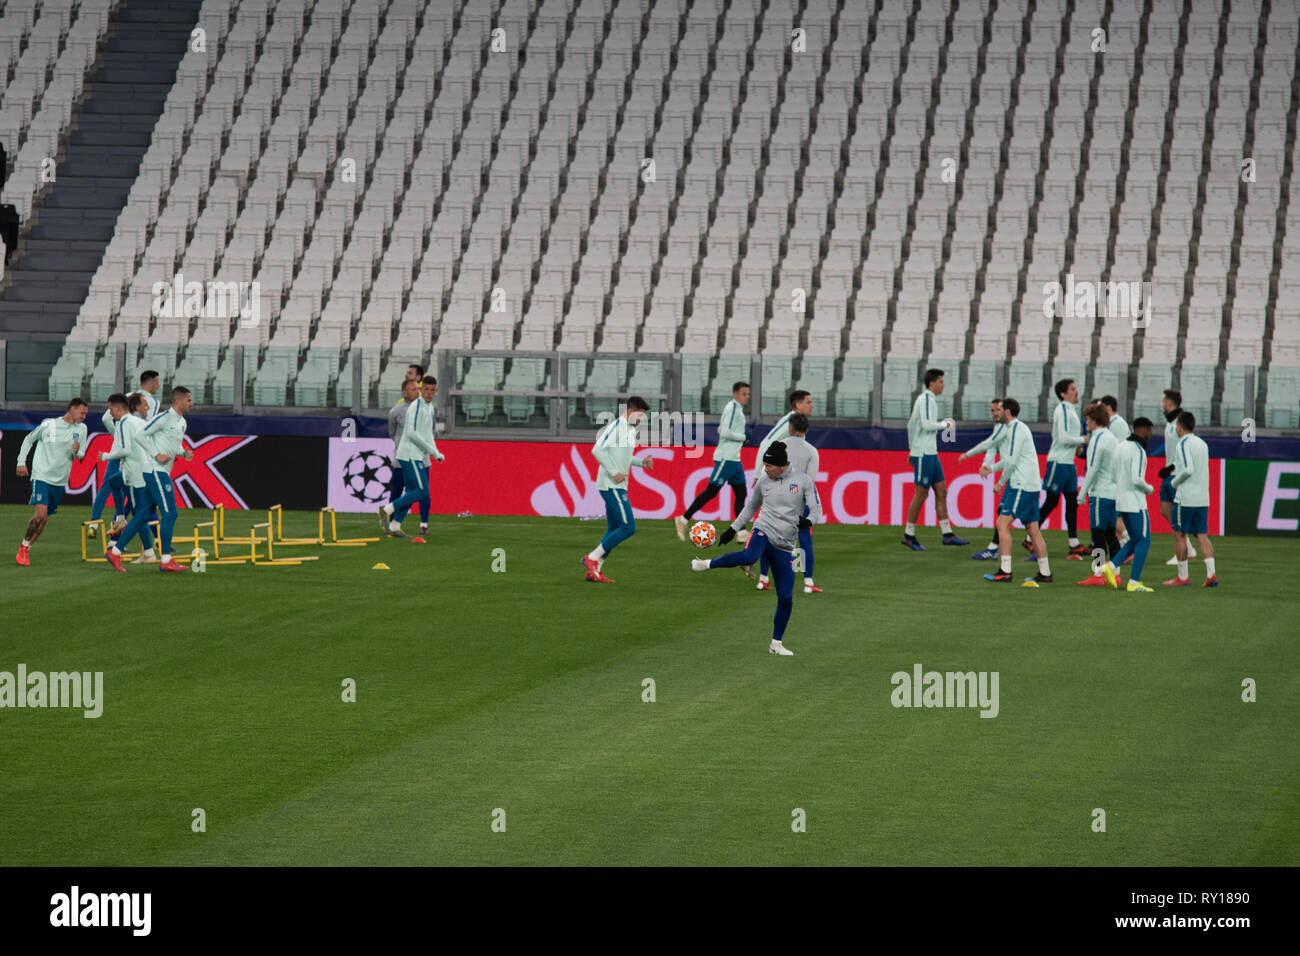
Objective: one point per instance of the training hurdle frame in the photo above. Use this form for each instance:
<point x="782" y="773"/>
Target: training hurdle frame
<point x="213" y="533"/>
<point x="103" y="536"/>
<point x="335" y="541"/>
<point x="275" y="514"/>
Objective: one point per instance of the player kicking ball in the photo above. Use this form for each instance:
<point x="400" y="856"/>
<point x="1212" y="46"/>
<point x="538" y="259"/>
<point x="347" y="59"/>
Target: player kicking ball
<point x="782" y="493"/>
<point x="57" y="442"/>
<point x="727" y="468"/>
<point x="804" y="460"/>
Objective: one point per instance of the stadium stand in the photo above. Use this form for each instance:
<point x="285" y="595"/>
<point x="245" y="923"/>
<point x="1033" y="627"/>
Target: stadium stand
<point x="845" y="189"/>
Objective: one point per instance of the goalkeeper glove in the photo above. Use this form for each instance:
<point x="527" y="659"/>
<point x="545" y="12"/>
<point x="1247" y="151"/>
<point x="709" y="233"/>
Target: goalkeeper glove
<point x="805" y="523"/>
<point x="727" y="537"/>
<point x="1166" y="471"/>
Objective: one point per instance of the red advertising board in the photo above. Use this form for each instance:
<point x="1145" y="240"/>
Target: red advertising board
<point x="536" y="478"/>
<point x="198" y="484"/>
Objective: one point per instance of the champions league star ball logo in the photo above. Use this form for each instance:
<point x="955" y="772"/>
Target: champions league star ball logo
<point x="367" y="475"/>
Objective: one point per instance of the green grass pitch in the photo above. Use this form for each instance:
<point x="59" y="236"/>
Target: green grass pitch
<point x="522" y="690"/>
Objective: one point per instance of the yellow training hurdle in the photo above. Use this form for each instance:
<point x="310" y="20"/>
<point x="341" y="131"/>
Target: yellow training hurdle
<point x="103" y="536"/>
<point x="275" y="514"/>
<point x="335" y="541"/>
<point x="261" y="540"/>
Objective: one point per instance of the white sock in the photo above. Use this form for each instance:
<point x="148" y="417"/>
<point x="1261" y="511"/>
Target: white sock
<point x="597" y="554"/>
<point x="807" y="582"/>
<point x="166" y="558"/>
<point x="424" y="526"/>
<point x="148" y="552"/>
<point x="388" y="508"/>
<point x="26" y="543"/>
<point x="762" y="578"/>
<point x="1074" y="542"/>
<point x="1209" y="568"/>
<point x="1005" y="563"/>
<point x="910" y="530"/>
<point x="994" y="546"/>
<point x="1043" y="566"/>
<point x="1182" y="569"/>
<point x="945" y="527"/>
<point x="117" y="550"/>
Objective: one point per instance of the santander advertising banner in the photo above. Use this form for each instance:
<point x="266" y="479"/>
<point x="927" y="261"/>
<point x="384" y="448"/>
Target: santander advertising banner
<point x="556" y="479"/>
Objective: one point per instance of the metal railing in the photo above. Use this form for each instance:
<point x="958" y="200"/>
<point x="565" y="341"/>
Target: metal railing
<point x="562" y="404"/>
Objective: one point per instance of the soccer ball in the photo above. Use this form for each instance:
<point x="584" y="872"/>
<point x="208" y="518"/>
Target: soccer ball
<point x="703" y="534"/>
<point x="367" y="475"/>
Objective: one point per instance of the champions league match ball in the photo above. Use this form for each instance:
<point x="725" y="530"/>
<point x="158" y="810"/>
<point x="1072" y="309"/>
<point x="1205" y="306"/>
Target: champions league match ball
<point x="703" y="534"/>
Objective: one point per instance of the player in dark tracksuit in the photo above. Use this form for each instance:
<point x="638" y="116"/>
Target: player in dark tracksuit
<point x="782" y="493"/>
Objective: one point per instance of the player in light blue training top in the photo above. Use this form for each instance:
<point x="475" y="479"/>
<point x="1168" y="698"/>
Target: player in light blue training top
<point x="133" y="451"/>
<point x="726" y="459"/>
<point x="1120" y="429"/>
<point x="1191" y="481"/>
<point x="163" y="441"/>
<point x="396" y="422"/>
<point x="112" y="483"/>
<point x="923" y="452"/>
<point x="613" y="453"/>
<point x="799" y="401"/>
<point x="990" y="447"/>
<point x="149" y="385"/>
<point x="1099" y="489"/>
<point x="57" y="441"/>
<point x="1019" y="465"/>
<point x="1131" y="490"/>
<point x="1062" y="478"/>
<point x="415" y="446"/>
